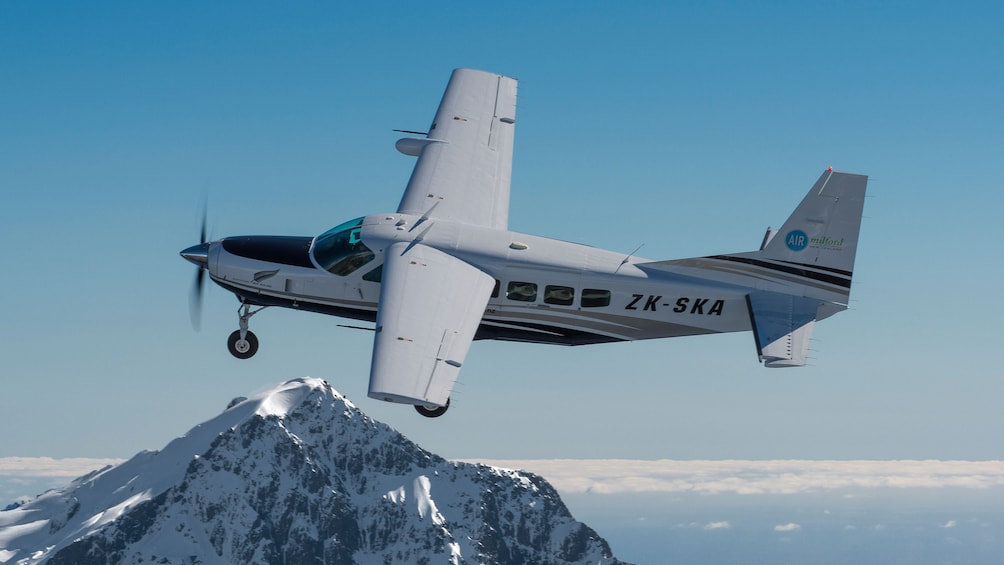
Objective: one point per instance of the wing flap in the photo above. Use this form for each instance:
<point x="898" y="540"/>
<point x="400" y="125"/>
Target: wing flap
<point x="782" y="327"/>
<point x="431" y="304"/>
<point x="465" y="163"/>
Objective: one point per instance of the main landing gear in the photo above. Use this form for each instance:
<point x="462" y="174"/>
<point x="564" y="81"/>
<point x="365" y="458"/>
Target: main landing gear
<point x="243" y="344"/>
<point x="432" y="412"/>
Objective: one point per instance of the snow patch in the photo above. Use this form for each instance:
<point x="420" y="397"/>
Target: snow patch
<point x="281" y="399"/>
<point x="102" y="518"/>
<point x="396" y="496"/>
<point x="423" y="496"/>
<point x="14" y="532"/>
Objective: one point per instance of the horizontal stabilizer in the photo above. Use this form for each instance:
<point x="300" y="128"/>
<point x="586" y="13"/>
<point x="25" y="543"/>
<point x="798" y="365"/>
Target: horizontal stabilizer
<point x="782" y="326"/>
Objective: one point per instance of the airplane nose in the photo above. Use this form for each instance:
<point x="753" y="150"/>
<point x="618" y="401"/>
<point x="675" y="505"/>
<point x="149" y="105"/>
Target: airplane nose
<point x="198" y="254"/>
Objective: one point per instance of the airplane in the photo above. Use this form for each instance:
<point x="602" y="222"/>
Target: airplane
<point x="444" y="270"/>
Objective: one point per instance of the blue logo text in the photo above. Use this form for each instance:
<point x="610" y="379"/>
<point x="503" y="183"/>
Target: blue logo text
<point x="796" y="240"/>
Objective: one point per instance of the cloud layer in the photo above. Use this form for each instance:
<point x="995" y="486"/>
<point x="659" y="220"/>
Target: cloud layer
<point x="614" y="476"/>
<point x="69" y="468"/>
<point x="610" y="476"/>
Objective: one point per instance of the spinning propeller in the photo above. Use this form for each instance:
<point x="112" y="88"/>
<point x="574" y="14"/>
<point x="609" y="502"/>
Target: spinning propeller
<point x="199" y="255"/>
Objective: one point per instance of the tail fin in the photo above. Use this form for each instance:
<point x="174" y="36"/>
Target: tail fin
<point x="818" y="241"/>
<point x="802" y="272"/>
<point x="822" y="232"/>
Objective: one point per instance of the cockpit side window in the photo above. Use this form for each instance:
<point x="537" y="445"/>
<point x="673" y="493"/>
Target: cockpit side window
<point x="376" y="275"/>
<point x="340" y="251"/>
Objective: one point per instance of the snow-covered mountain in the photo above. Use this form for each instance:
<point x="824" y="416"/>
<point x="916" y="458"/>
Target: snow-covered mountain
<point x="297" y="475"/>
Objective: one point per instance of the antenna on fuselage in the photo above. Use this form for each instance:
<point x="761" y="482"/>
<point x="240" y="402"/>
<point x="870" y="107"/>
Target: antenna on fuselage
<point x="424" y="218"/>
<point x="629" y="256"/>
<point x="428" y="212"/>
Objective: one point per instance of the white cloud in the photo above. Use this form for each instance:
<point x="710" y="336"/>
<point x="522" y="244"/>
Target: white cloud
<point x="612" y="476"/>
<point x="609" y="476"/>
<point x="723" y="525"/>
<point x="71" y="468"/>
<point x="789" y="527"/>
<point x="949" y="524"/>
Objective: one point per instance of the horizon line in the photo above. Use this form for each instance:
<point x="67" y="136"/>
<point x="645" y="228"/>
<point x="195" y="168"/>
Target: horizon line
<point x="702" y="476"/>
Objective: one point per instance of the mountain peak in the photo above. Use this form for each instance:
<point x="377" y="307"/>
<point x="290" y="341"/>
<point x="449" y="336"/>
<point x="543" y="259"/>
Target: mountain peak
<point x="296" y="474"/>
<point x="291" y="394"/>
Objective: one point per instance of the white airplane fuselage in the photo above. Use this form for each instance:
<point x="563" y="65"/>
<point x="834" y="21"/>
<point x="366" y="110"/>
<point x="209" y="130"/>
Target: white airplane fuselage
<point x="444" y="269"/>
<point x="569" y="293"/>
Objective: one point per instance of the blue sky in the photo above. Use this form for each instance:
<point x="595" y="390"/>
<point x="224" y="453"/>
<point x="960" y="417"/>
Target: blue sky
<point x="686" y="127"/>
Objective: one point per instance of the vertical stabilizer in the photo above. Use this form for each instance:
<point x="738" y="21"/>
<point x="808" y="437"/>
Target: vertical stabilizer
<point x="801" y="273"/>
<point x="819" y="240"/>
<point x="823" y="230"/>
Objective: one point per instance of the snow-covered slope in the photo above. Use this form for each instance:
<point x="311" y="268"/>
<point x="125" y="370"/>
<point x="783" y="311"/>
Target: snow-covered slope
<point x="297" y="475"/>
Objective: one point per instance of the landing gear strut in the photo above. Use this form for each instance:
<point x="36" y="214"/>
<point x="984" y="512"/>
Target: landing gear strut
<point x="433" y="412"/>
<point x="243" y="344"/>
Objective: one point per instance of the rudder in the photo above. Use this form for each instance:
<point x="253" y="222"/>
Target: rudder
<point x="823" y="230"/>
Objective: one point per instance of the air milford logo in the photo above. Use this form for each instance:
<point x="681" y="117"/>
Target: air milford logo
<point x="797" y="240"/>
<point x="826" y="242"/>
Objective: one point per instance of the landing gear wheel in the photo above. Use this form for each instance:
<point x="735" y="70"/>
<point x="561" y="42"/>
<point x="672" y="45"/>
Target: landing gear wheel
<point x="432" y="412"/>
<point x="242" y="348"/>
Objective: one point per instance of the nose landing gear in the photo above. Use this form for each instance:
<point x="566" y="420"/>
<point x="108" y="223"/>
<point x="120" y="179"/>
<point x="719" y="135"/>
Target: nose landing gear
<point x="242" y="347"/>
<point x="243" y="344"/>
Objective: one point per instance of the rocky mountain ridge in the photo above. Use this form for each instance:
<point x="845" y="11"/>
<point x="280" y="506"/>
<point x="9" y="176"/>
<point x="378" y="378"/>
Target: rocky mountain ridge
<point x="297" y="475"/>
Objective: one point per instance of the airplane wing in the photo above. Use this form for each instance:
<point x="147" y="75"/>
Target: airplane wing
<point x="430" y="306"/>
<point x="465" y="162"/>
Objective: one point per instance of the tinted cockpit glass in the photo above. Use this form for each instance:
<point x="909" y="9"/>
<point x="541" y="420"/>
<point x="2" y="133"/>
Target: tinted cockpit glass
<point x="340" y="251"/>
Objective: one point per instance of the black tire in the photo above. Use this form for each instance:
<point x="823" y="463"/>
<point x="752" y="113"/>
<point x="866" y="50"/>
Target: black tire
<point x="245" y="349"/>
<point x="432" y="412"/>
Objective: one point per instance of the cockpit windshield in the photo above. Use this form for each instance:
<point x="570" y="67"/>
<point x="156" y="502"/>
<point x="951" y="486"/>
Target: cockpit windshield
<point x="340" y="251"/>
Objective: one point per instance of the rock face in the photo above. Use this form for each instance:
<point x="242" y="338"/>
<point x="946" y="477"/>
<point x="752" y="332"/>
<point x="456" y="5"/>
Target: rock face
<point x="298" y="475"/>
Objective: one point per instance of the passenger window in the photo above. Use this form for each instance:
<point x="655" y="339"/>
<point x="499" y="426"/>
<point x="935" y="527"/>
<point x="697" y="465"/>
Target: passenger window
<point x="593" y="298"/>
<point x="521" y="291"/>
<point x="495" y="291"/>
<point x="560" y="295"/>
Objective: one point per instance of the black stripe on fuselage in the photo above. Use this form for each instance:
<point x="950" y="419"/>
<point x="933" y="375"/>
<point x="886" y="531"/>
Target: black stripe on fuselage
<point x="837" y="278"/>
<point x="513" y="331"/>
<point x="286" y="250"/>
<point x="256" y="299"/>
<point x="540" y="333"/>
